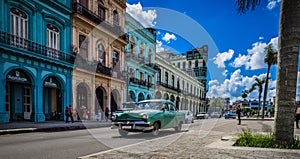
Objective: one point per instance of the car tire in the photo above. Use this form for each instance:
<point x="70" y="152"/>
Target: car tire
<point x="155" y="129"/>
<point x="123" y="132"/>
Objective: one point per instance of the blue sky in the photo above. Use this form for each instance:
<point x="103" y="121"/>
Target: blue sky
<point x="236" y="41"/>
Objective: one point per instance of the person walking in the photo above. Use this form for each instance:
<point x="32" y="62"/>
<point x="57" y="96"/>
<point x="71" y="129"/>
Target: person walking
<point x="297" y="116"/>
<point x="238" y="112"/>
<point x="69" y="114"/>
<point x="106" y="113"/>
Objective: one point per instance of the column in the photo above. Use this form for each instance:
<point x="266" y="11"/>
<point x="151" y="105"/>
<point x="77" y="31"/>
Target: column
<point x="37" y="114"/>
<point x="3" y="113"/>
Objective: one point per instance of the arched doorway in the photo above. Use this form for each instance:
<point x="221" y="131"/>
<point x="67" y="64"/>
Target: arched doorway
<point x="141" y="97"/>
<point x="52" y="99"/>
<point x="114" y="100"/>
<point x="100" y="94"/>
<point x="19" y="96"/>
<point x="148" y="96"/>
<point x="158" y="95"/>
<point x="166" y="96"/>
<point x="81" y="102"/>
<point x="131" y="96"/>
<point x="172" y="98"/>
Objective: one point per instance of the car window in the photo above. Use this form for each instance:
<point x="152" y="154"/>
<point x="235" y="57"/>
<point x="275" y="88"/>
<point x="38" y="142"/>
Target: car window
<point x="172" y="107"/>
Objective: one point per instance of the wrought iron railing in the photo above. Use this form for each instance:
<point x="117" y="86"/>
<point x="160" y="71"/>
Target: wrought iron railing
<point x="35" y="49"/>
<point x="168" y="86"/>
<point x="115" y="29"/>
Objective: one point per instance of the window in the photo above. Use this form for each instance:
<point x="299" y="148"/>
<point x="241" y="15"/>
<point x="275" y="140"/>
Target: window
<point x="27" y="99"/>
<point x="166" y="77"/>
<point x="196" y="63"/>
<point x="173" y="80"/>
<point x="115" y="18"/>
<point x="141" y="55"/>
<point x="83" y="46"/>
<point x="101" y="10"/>
<point x="178" y="64"/>
<point x="131" y="72"/>
<point x="159" y="76"/>
<point x="178" y="83"/>
<point x="190" y="64"/>
<point x="183" y="65"/>
<point x="141" y="76"/>
<point x="84" y="3"/>
<point x="115" y="59"/>
<point x="53" y="40"/>
<point x="149" y="79"/>
<point x="101" y="54"/>
<point x="18" y="27"/>
<point x="150" y="56"/>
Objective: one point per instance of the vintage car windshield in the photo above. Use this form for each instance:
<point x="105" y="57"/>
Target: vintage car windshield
<point x="150" y="105"/>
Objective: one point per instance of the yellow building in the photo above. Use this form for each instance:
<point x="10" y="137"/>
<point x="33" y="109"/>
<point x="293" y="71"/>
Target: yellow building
<point x="98" y="43"/>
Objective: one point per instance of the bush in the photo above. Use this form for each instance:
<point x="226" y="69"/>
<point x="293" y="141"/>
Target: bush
<point x="248" y="139"/>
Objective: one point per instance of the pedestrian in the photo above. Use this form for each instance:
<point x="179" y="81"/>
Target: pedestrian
<point x="238" y="112"/>
<point x="69" y="114"/>
<point x="106" y="113"/>
<point x="297" y="116"/>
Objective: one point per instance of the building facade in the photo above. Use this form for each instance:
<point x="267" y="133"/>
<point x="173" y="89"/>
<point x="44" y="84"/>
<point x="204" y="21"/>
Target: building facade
<point x="140" y="61"/>
<point x="36" y="62"/>
<point x="174" y="84"/>
<point x="98" y="43"/>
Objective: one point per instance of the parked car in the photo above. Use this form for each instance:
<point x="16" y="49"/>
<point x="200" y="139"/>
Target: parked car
<point x="202" y="115"/>
<point x="229" y="115"/>
<point x="189" y="116"/>
<point x="149" y="116"/>
<point x="215" y="115"/>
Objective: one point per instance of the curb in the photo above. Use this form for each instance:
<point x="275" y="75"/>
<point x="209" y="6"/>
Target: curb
<point x="51" y="129"/>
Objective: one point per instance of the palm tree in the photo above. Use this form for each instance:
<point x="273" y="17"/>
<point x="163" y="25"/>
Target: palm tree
<point x="258" y="84"/>
<point x="270" y="59"/>
<point x="288" y="48"/>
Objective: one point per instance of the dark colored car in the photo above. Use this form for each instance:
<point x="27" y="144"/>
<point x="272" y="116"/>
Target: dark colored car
<point x="229" y="115"/>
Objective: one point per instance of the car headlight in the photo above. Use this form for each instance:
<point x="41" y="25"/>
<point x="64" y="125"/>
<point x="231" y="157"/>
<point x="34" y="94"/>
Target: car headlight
<point x="113" y="117"/>
<point x="144" y="116"/>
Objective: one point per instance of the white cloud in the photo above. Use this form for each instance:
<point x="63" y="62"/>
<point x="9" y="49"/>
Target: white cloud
<point x="260" y="38"/>
<point x="146" y="18"/>
<point x="221" y="58"/>
<point x="274" y="42"/>
<point x="168" y="37"/>
<point x="273" y="3"/>
<point x="225" y="72"/>
<point x="234" y="86"/>
<point x="159" y="46"/>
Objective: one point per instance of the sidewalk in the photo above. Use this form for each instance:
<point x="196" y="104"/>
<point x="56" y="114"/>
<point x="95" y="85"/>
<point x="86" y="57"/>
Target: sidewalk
<point x="27" y="126"/>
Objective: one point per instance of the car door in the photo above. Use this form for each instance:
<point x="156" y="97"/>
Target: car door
<point x="172" y="113"/>
<point x="167" y="118"/>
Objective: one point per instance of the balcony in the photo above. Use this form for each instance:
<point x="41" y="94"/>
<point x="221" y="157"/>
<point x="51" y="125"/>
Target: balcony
<point x="117" y="30"/>
<point x="104" y="70"/>
<point x="9" y="40"/>
<point x="153" y="66"/>
<point x="169" y="86"/>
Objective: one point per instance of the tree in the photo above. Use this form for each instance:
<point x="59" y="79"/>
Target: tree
<point x="287" y="71"/>
<point x="258" y="84"/>
<point x="270" y="59"/>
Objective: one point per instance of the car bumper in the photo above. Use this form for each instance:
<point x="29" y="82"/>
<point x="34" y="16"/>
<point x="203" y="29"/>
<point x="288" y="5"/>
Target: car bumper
<point x="132" y="126"/>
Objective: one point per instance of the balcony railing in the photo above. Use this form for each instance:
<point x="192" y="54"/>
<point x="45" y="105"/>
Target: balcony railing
<point x="117" y="30"/>
<point x="104" y="70"/>
<point x="35" y="48"/>
<point x="154" y="66"/>
<point x="168" y="86"/>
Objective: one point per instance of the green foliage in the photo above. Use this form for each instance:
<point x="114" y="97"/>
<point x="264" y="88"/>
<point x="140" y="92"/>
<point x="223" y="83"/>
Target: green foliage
<point x="248" y="139"/>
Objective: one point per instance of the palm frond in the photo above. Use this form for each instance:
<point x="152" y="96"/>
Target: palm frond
<point x="245" y="5"/>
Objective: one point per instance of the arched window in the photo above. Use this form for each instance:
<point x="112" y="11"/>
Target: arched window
<point x="101" y="54"/>
<point x="83" y="46"/>
<point x="132" y="45"/>
<point x="141" y="55"/>
<point x="18" y="26"/>
<point x="115" y="18"/>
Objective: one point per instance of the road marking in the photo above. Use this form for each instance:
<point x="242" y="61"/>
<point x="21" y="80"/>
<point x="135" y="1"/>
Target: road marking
<point x="123" y="147"/>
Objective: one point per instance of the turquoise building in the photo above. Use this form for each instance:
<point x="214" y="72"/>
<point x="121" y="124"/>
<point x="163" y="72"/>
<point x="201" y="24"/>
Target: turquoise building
<point x="139" y="61"/>
<point x="35" y="60"/>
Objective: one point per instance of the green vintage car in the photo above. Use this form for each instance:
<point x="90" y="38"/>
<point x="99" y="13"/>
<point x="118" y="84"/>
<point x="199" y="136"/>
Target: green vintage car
<point x="149" y="116"/>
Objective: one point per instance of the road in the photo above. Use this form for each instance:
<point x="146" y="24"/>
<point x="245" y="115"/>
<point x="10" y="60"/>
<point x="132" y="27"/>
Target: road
<point x="73" y="144"/>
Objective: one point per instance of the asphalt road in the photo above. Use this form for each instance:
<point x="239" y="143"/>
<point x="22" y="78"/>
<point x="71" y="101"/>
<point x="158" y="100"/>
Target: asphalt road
<point x="73" y="144"/>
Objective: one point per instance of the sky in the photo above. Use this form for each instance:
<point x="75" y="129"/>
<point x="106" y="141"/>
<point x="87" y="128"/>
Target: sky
<point x="236" y="41"/>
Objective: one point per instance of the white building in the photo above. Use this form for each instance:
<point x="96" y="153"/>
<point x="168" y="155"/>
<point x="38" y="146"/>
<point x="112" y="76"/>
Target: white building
<point x="174" y="84"/>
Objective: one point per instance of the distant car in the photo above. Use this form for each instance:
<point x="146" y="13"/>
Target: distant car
<point x="189" y="116"/>
<point x="229" y="115"/>
<point x="215" y="115"/>
<point x="202" y="115"/>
